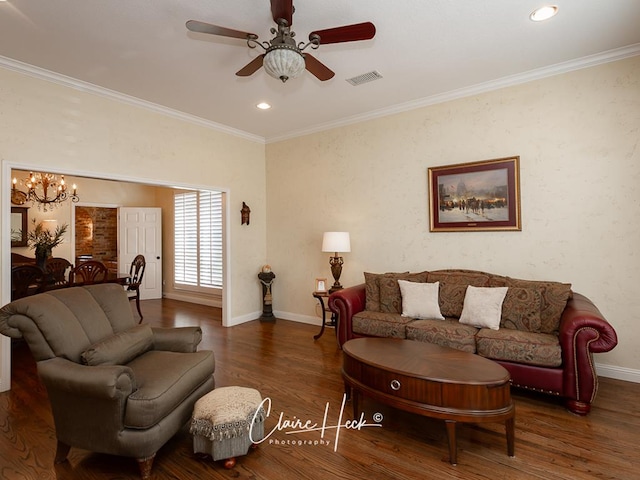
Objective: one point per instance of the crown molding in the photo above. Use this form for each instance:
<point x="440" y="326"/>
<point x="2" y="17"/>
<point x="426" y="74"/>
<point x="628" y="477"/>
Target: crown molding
<point x="512" y="80"/>
<point x="509" y="81"/>
<point x="70" y="82"/>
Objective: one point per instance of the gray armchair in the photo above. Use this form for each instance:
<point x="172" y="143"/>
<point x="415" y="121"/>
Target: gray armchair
<point x="115" y="387"/>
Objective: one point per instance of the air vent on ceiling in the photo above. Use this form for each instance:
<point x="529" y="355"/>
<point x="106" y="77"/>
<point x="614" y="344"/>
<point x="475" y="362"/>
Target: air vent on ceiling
<point x="364" y="78"/>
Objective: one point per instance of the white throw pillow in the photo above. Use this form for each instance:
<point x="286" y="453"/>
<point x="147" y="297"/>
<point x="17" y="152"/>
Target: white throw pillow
<point x="420" y="300"/>
<point x="483" y="306"/>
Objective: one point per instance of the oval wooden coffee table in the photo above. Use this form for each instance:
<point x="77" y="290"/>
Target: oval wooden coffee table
<point x="430" y="380"/>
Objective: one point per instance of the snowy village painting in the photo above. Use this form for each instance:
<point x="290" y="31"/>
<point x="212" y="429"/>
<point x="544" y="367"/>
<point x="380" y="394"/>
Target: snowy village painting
<point x="475" y="196"/>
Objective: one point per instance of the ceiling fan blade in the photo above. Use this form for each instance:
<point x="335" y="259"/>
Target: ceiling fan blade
<point x="251" y="67"/>
<point x="347" y="33"/>
<point x="201" y="27"/>
<point x="317" y="68"/>
<point x="282" y="9"/>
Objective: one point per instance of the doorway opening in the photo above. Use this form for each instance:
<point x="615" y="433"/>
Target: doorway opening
<point x="117" y="181"/>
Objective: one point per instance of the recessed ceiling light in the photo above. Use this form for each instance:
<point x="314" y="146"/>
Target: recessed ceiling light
<point x="543" y="13"/>
<point x="263" y="106"/>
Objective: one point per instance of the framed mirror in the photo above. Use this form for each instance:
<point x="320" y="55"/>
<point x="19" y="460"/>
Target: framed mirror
<point x="19" y="222"/>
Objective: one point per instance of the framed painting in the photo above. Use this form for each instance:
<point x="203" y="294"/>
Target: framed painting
<point x="476" y="196"/>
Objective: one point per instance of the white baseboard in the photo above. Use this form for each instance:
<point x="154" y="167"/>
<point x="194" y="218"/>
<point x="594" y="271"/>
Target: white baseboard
<point x="210" y="302"/>
<point x="244" y="318"/>
<point x="278" y="315"/>
<point x="619" y="373"/>
<point x="295" y="317"/>
<point x="213" y="302"/>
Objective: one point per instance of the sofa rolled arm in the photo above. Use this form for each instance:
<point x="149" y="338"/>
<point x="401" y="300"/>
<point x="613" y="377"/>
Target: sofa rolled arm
<point x="88" y="402"/>
<point x="104" y="381"/>
<point x="583" y="332"/>
<point x="177" y="339"/>
<point x="345" y="304"/>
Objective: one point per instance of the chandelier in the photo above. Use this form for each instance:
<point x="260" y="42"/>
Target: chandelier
<point x="44" y="190"/>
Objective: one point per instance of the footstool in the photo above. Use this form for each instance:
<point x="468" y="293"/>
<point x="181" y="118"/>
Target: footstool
<point x="226" y="422"/>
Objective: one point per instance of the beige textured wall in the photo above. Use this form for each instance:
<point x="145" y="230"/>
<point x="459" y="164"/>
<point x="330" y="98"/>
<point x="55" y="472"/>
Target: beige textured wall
<point x="577" y="137"/>
<point x="54" y="127"/>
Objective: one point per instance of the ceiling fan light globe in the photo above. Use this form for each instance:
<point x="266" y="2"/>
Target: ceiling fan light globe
<point x="283" y="62"/>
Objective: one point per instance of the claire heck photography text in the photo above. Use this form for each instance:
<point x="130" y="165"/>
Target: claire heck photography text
<point x="327" y="433"/>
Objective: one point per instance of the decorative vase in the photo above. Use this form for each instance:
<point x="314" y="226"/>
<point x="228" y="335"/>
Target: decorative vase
<point x="42" y="253"/>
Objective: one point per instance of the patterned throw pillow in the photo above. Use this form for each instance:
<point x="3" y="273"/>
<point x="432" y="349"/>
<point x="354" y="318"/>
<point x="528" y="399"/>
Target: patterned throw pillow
<point x="372" y="291"/>
<point x="554" y="297"/>
<point x="521" y="310"/>
<point x="452" y="298"/>
<point x="453" y="287"/>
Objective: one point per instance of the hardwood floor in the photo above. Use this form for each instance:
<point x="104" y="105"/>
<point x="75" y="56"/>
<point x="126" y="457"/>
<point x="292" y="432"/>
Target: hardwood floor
<point x="301" y="377"/>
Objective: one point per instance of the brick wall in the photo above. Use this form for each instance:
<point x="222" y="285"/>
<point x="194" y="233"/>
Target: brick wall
<point x="97" y="233"/>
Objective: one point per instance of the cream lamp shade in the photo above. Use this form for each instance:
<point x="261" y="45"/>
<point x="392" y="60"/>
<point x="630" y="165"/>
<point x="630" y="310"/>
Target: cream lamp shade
<point x="50" y="224"/>
<point x="336" y="242"/>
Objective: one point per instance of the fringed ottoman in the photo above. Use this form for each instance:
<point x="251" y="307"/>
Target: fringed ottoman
<point x="226" y="422"/>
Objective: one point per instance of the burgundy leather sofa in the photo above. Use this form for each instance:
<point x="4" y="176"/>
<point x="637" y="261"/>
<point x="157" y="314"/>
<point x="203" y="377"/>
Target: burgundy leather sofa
<point x="582" y="331"/>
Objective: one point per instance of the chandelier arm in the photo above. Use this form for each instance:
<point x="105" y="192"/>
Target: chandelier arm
<point x="302" y="46"/>
<point x="314" y="43"/>
<point x="47" y="183"/>
<point x="60" y="197"/>
<point x="252" y="42"/>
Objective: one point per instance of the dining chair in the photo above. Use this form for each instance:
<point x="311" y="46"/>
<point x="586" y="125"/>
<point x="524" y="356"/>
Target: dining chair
<point x="88" y="272"/>
<point x="56" y="270"/>
<point x="26" y="280"/>
<point x="136" y="272"/>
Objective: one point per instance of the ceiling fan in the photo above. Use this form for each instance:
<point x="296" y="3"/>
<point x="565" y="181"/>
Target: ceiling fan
<point x="283" y="58"/>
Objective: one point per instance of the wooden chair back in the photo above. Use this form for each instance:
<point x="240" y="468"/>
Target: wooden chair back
<point x="26" y="280"/>
<point x="56" y="269"/>
<point x="88" y="272"/>
<point x="136" y="273"/>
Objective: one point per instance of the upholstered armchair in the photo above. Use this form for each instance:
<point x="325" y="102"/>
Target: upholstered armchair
<point x="115" y="387"/>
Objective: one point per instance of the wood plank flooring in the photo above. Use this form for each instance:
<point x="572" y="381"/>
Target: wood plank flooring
<point x="301" y="377"/>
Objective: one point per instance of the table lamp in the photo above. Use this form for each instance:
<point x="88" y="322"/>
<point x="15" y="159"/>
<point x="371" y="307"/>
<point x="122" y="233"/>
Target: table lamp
<point x="336" y="242"/>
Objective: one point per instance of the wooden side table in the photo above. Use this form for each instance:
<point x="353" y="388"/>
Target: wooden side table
<point x="320" y="296"/>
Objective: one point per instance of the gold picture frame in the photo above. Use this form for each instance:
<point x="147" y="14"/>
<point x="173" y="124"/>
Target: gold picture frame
<point x="321" y="285"/>
<point x="476" y="196"/>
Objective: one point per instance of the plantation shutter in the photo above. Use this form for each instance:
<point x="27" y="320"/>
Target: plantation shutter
<point x="211" y="239"/>
<point x="198" y="239"/>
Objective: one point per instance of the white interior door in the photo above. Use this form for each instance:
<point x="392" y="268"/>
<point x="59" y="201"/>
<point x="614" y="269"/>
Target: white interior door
<point x="140" y="232"/>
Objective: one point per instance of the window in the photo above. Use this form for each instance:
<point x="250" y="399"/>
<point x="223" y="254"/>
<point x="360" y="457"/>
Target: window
<point x="198" y="239"/>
